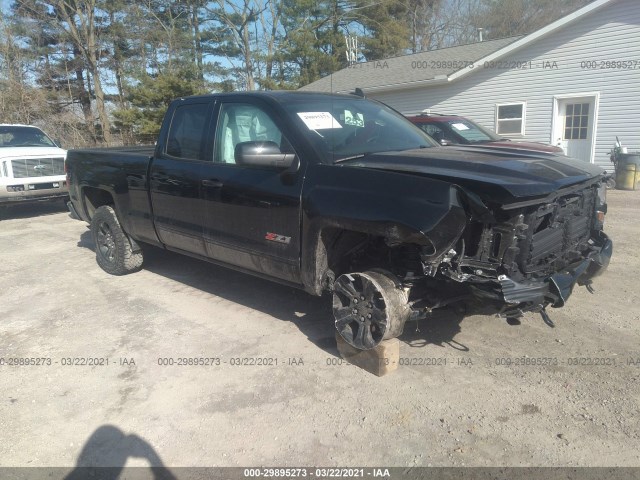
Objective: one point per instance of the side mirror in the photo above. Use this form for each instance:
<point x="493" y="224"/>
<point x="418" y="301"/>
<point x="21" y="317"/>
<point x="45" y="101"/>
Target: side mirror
<point x="57" y="142"/>
<point x="444" y="142"/>
<point x="263" y="154"/>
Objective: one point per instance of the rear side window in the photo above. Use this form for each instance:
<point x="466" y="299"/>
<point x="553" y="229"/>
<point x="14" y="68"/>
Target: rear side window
<point x="186" y="137"/>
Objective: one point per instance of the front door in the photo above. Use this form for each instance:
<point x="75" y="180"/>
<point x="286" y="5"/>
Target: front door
<point x="575" y="126"/>
<point x="251" y="214"/>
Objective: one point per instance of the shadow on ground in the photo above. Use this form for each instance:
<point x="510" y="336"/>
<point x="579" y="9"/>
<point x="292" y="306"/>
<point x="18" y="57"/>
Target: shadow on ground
<point x="439" y="329"/>
<point x="106" y="452"/>
<point x="312" y="315"/>
<point x="30" y="210"/>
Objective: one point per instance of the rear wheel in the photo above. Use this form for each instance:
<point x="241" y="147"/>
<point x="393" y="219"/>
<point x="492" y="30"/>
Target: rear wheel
<point x="114" y="249"/>
<point x="369" y="307"/>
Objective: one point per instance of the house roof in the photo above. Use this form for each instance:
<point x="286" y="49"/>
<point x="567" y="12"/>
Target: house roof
<point x="405" y="70"/>
<point x="401" y="72"/>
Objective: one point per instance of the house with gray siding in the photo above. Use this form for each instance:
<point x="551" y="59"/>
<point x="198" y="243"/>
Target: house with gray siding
<point x="574" y="83"/>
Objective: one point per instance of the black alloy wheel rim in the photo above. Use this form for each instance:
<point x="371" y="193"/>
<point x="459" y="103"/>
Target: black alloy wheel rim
<point x="359" y="310"/>
<point x="106" y="242"/>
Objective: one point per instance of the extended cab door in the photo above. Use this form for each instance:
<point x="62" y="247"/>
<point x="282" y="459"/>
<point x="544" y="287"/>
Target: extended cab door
<point x="252" y="213"/>
<point x="176" y="173"/>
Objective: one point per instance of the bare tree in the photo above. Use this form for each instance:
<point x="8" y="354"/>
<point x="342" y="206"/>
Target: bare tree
<point x="517" y="17"/>
<point x="79" y="23"/>
<point x="442" y="23"/>
<point x="235" y="22"/>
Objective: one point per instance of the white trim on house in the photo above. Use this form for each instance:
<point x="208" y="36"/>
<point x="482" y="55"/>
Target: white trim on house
<point x="479" y="65"/>
<point x="518" y="44"/>
<point x="552" y="27"/>
<point x="554" y="117"/>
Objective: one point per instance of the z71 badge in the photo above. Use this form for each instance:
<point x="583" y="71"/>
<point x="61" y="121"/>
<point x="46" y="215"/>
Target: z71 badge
<point x="274" y="237"/>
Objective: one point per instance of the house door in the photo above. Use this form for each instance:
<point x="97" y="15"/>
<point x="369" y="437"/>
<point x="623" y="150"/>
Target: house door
<point x="575" y="126"/>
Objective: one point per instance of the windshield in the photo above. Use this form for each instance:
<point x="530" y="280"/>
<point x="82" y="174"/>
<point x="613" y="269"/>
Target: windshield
<point x="459" y="130"/>
<point x="342" y="128"/>
<point x="17" y="136"/>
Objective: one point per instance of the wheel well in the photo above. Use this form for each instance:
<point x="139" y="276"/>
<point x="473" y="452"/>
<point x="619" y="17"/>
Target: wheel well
<point x="95" y="198"/>
<point x="343" y="251"/>
<point x="341" y="246"/>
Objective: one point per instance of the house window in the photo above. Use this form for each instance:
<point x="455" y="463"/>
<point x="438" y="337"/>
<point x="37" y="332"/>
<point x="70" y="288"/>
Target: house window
<point x="576" y="121"/>
<point x="510" y="119"/>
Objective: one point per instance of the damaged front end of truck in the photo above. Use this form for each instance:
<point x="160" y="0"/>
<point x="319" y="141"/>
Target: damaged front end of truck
<point x="480" y="258"/>
<point x="530" y="255"/>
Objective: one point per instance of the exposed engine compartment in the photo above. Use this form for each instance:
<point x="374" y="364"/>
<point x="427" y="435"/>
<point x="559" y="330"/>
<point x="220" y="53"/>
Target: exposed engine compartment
<point x="507" y="260"/>
<point x="502" y="267"/>
<point x="527" y="243"/>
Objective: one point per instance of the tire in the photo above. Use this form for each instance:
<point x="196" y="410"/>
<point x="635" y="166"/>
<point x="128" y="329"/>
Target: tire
<point x="368" y="308"/>
<point x="114" y="250"/>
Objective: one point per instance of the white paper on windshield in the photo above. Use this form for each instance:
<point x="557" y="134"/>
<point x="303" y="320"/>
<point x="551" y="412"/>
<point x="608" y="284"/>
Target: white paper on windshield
<point x="318" y="120"/>
<point x="459" y="126"/>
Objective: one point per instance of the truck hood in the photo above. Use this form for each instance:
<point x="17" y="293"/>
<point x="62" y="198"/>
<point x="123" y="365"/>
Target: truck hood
<point x="31" y="152"/>
<point x="500" y="175"/>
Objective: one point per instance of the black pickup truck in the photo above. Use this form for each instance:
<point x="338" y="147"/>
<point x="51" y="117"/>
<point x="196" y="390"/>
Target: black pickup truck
<point x="341" y="194"/>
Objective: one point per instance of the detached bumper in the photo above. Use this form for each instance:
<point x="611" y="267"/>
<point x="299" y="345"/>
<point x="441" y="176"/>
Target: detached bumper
<point x="557" y="288"/>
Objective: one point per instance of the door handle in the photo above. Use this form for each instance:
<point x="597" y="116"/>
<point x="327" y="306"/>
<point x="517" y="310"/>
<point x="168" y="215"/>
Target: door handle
<point x="213" y="183"/>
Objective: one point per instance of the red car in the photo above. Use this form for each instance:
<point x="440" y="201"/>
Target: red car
<point x="456" y="130"/>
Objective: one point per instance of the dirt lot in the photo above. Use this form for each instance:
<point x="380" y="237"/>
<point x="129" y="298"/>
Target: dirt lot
<point x="471" y="408"/>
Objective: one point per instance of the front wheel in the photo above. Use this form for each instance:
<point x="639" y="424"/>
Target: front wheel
<point x="369" y="307"/>
<point x="114" y="250"/>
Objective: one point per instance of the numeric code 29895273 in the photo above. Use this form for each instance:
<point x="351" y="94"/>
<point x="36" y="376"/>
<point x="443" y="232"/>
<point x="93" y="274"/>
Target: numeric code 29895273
<point x="25" y="361"/>
<point x="189" y="361"/>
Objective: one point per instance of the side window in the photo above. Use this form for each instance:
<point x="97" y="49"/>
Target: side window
<point x="186" y="134"/>
<point x="238" y="123"/>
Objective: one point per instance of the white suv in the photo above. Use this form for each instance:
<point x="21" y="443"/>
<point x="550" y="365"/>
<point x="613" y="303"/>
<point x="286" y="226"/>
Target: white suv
<point x="31" y="166"/>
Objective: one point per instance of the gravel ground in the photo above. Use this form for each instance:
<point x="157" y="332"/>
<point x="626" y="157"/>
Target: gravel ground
<point x="478" y="392"/>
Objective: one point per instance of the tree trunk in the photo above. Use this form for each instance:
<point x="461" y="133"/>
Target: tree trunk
<point x="117" y="64"/>
<point x="100" y="104"/>
<point x="247" y="57"/>
<point x="83" y="95"/>
<point x="97" y="83"/>
<point x="197" y="42"/>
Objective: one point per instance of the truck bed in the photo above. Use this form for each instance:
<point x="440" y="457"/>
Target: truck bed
<point x="146" y="150"/>
<point x="121" y="171"/>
